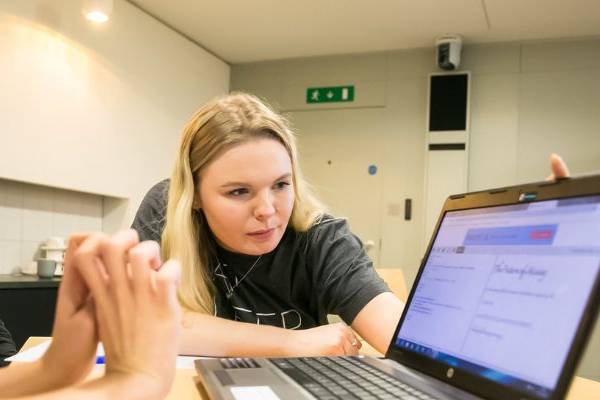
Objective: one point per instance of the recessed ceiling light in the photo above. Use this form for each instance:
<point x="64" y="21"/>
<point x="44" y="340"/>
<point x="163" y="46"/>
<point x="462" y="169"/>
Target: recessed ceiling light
<point x="97" y="16"/>
<point x="98" y="11"/>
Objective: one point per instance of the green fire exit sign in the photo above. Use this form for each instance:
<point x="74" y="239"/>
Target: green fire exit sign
<point x="334" y="94"/>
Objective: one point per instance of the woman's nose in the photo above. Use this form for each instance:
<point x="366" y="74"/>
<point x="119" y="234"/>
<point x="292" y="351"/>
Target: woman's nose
<point x="265" y="206"/>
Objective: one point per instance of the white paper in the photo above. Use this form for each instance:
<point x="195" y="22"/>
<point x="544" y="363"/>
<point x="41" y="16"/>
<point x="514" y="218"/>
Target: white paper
<point x="253" y="393"/>
<point x="36" y="352"/>
<point x="32" y="354"/>
<point x="185" y="362"/>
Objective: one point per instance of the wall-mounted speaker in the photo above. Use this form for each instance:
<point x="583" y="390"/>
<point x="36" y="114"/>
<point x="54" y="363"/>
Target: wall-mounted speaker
<point x="448" y="101"/>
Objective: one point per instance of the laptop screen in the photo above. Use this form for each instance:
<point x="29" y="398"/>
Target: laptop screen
<point x="504" y="288"/>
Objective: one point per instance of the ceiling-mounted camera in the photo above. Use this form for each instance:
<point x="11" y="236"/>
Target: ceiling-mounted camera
<point x="448" y="48"/>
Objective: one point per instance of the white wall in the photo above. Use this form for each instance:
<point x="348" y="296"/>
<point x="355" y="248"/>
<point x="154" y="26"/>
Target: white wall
<point x="92" y="108"/>
<point x="527" y="100"/>
<point x="30" y="214"/>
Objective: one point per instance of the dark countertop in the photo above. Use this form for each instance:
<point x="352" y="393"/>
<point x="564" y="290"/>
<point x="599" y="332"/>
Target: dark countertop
<point x="27" y="281"/>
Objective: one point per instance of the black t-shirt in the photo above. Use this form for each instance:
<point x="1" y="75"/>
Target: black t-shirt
<point x="324" y="270"/>
<point x="7" y="346"/>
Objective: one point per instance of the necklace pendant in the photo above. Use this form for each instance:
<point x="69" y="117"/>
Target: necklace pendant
<point x="238" y="281"/>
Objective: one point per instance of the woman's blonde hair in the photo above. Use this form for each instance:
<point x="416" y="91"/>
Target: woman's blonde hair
<point x="218" y="125"/>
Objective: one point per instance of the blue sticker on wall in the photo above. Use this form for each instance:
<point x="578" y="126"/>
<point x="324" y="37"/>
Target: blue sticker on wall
<point x="372" y="169"/>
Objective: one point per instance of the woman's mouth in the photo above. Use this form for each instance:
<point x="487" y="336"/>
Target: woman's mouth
<point x="263" y="234"/>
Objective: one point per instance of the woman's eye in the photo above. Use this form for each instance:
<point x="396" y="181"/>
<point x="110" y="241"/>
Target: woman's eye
<point x="281" y="185"/>
<point x="237" y="192"/>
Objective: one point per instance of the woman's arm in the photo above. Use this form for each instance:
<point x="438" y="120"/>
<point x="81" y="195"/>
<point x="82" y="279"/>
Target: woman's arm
<point x="20" y="379"/>
<point x="206" y="335"/>
<point x="377" y="321"/>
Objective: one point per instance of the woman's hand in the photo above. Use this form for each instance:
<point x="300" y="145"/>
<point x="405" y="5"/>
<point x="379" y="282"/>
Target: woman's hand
<point x="327" y="340"/>
<point x="137" y="312"/>
<point x="558" y="167"/>
<point x="72" y="352"/>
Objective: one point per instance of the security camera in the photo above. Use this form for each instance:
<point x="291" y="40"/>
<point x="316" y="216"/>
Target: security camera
<point x="448" y="51"/>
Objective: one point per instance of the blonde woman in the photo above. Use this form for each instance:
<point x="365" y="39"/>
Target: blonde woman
<point x="262" y="263"/>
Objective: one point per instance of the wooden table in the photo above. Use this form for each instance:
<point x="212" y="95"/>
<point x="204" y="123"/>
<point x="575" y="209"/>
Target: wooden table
<point x="187" y="386"/>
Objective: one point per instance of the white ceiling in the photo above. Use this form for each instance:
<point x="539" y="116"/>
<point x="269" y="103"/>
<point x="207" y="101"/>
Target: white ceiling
<point x="241" y="31"/>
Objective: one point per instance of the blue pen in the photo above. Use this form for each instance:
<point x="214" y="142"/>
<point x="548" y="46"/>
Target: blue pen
<point x="100" y="360"/>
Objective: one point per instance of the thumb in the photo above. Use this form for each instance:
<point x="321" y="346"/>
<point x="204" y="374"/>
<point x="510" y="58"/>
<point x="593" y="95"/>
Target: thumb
<point x="72" y="293"/>
<point x="85" y="320"/>
<point x="89" y="313"/>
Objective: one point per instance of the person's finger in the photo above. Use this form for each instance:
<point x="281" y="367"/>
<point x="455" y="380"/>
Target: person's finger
<point x="75" y="241"/>
<point x="558" y="167"/>
<point x="73" y="291"/>
<point x="167" y="280"/>
<point x="349" y="349"/>
<point x="156" y="261"/>
<point x="354" y="341"/>
<point x="69" y="286"/>
<point x="87" y="261"/>
<point x="114" y="251"/>
<point x="345" y="336"/>
<point x="141" y="258"/>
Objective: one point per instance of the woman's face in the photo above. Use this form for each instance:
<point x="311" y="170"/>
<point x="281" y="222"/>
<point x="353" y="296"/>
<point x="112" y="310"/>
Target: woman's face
<point x="247" y="196"/>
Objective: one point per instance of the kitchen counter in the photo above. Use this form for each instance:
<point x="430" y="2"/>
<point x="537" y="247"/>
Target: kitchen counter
<point x="27" y="281"/>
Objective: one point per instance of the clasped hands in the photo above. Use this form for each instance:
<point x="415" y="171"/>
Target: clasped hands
<point x="116" y="290"/>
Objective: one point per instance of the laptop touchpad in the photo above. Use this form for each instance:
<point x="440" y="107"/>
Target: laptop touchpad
<point x="260" y="377"/>
<point x="248" y="377"/>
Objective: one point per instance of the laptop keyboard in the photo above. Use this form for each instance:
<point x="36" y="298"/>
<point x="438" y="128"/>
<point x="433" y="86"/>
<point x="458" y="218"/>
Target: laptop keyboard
<point x="237" y="363"/>
<point x="328" y="378"/>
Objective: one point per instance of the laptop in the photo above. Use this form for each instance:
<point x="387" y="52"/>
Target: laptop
<point x="501" y="308"/>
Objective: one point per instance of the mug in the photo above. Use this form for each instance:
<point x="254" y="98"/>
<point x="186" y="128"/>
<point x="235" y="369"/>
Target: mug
<point x="55" y="243"/>
<point x="46" y="268"/>
<point x="56" y="255"/>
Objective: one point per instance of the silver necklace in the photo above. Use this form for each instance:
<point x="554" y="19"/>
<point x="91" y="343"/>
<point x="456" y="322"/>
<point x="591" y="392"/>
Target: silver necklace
<point x="237" y="283"/>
